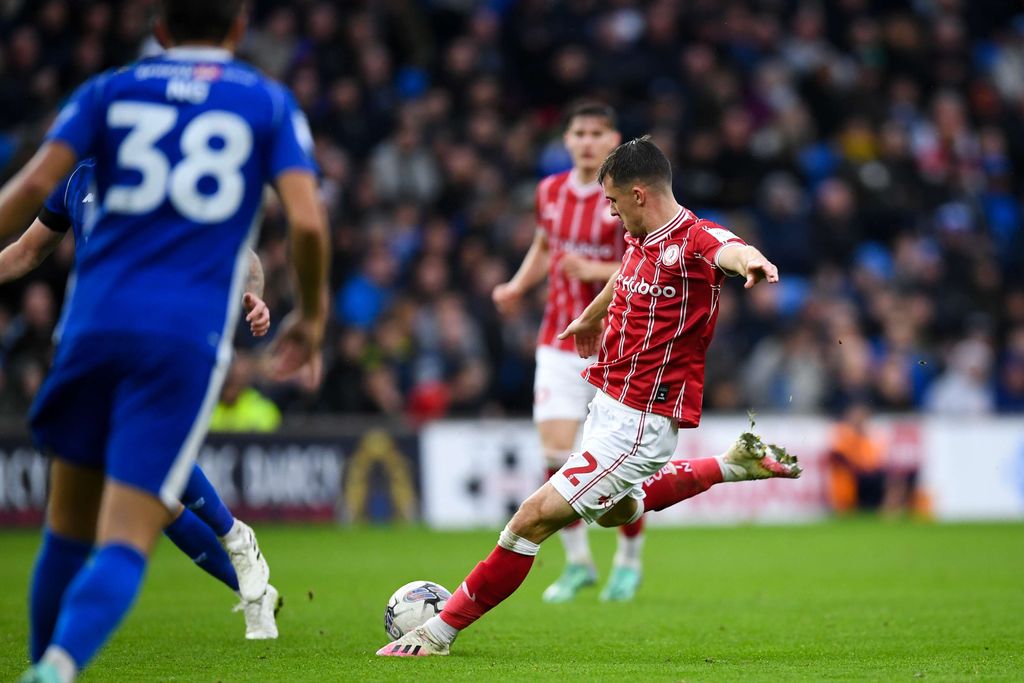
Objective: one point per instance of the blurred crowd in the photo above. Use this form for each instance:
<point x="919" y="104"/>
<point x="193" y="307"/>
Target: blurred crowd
<point x="873" y="149"/>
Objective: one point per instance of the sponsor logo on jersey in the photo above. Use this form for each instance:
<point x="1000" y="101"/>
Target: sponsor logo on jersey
<point x="638" y="285"/>
<point x="721" y="234"/>
<point x="599" y="252"/>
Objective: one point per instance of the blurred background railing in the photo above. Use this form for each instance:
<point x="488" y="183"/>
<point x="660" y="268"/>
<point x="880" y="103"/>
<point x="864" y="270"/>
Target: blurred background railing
<point x="465" y="474"/>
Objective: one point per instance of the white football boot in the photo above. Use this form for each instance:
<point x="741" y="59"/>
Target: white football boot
<point x="261" y="615"/>
<point x="415" y="643"/>
<point x="250" y="566"/>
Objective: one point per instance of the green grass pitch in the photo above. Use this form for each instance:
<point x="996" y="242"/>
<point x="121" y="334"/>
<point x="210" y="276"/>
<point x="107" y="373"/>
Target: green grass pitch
<point x="859" y="599"/>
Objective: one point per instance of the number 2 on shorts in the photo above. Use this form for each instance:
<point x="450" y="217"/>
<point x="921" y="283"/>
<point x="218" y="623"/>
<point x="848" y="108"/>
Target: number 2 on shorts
<point x="588" y="467"/>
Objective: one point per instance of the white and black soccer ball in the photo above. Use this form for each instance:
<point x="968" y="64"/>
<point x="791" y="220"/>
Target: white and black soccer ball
<point x="411" y="605"/>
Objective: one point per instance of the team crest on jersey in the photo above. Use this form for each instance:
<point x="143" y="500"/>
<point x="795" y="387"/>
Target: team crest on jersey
<point x="671" y="255"/>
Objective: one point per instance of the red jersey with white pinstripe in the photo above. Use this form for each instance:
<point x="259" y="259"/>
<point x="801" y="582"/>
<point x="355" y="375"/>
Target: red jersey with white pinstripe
<point x="576" y="219"/>
<point x="661" y="319"/>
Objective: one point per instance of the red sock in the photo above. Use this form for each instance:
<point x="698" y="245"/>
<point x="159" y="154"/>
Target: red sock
<point x="679" y="480"/>
<point x="489" y="583"/>
<point x="633" y="528"/>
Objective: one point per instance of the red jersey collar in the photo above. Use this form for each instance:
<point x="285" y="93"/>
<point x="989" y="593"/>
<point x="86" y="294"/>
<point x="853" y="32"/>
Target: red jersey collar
<point x="684" y="216"/>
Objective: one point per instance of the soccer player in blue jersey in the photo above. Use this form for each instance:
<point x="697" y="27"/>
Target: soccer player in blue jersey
<point x="184" y="143"/>
<point x="203" y="527"/>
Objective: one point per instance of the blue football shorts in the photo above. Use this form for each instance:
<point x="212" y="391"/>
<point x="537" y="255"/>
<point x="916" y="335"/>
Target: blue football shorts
<point x="135" y="406"/>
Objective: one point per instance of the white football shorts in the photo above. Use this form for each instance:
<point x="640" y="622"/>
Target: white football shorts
<point x="621" y="447"/>
<point x="559" y="393"/>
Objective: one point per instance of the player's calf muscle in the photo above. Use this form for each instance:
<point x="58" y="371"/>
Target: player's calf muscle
<point x="131" y="516"/>
<point x="75" y="494"/>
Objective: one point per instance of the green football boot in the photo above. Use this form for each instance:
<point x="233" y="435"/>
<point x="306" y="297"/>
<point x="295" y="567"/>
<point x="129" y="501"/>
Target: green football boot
<point x="622" y="584"/>
<point x="573" y="579"/>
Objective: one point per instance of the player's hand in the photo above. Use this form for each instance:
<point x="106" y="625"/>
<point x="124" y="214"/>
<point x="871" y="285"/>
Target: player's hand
<point x="295" y="353"/>
<point x="587" y="335"/>
<point x="505" y="297"/>
<point x="576" y="267"/>
<point x="759" y="268"/>
<point x="258" y="315"/>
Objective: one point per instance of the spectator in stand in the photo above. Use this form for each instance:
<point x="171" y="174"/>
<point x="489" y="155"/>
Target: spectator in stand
<point x="965" y="388"/>
<point x="856" y="461"/>
<point x="241" y="407"/>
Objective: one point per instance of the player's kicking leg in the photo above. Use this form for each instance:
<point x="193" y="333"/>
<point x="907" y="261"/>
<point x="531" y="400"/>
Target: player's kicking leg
<point x="560" y="403"/>
<point x="557" y="437"/>
<point x="494" y="579"/>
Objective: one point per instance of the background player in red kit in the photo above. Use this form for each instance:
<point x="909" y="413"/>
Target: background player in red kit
<point x="661" y="308"/>
<point x="578" y="246"/>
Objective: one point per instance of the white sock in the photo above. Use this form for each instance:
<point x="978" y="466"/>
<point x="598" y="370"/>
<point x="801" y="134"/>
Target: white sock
<point x="731" y="471"/>
<point x="62" y="662"/>
<point x="440" y="630"/>
<point x="629" y="551"/>
<point x="577" y="547"/>
<point x="517" y="544"/>
<point x="232" y="533"/>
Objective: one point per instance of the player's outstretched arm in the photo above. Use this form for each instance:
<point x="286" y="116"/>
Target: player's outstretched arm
<point x="587" y="328"/>
<point x="296" y="350"/>
<point x="747" y="261"/>
<point x="257" y="312"/>
<point x="531" y="272"/>
<point x="22" y="196"/>
<point x="24" y="255"/>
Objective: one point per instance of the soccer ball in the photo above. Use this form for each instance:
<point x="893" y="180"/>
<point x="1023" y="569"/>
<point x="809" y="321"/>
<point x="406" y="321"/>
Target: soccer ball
<point x="411" y="606"/>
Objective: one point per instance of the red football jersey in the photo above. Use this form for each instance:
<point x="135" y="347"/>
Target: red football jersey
<point x="576" y="219"/>
<point x="661" y="319"/>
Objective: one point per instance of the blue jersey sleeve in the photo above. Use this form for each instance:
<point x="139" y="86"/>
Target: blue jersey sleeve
<point x="55" y="214"/>
<point x="291" y="145"/>
<point x="78" y="123"/>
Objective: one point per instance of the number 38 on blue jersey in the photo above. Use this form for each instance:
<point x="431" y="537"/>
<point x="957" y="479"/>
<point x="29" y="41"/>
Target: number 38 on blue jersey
<point x="184" y="144"/>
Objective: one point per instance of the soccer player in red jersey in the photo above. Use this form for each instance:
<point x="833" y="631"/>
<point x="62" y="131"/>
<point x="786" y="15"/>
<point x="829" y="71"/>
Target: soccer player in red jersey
<point x="577" y="247"/>
<point x="661" y="308"/>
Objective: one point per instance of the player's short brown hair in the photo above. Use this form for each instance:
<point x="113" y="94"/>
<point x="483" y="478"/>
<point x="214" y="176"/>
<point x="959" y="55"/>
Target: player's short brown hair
<point x="636" y="161"/>
<point x="592" y="108"/>
<point x="200" y="20"/>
